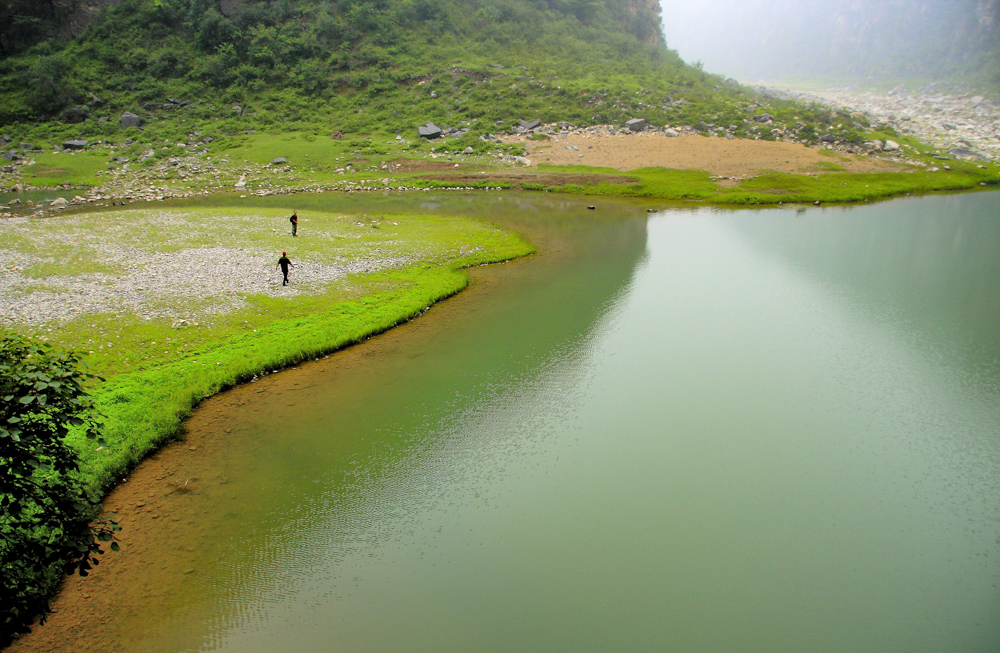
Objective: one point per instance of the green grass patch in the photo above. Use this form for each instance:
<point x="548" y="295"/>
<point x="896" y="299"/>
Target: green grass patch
<point x="157" y="368"/>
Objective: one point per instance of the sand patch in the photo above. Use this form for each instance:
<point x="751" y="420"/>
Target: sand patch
<point x="719" y="156"/>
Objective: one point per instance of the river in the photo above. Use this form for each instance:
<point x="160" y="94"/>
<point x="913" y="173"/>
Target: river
<point x="691" y="430"/>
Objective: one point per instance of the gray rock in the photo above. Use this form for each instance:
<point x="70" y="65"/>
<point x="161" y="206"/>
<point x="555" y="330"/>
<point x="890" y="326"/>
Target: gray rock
<point x="27" y="147"/>
<point x="75" y="114"/>
<point x="528" y="124"/>
<point x="5" y="139"/>
<point x="828" y="138"/>
<point x="129" y="119"/>
<point x="11" y="156"/>
<point x="965" y="153"/>
<point x="429" y="131"/>
<point x="764" y="117"/>
<point x="119" y="159"/>
<point x="59" y="203"/>
<point x="280" y="161"/>
<point x="672" y="133"/>
<point x="7" y="169"/>
<point x="636" y="124"/>
<point x="891" y="146"/>
<point x="433" y="94"/>
<point x="75" y="144"/>
<point x="95" y="101"/>
<point x="238" y="110"/>
<point x="468" y="150"/>
<point x="573" y="148"/>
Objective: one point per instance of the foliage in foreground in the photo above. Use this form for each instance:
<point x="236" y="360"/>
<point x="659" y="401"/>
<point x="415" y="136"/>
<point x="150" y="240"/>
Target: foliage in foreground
<point x="45" y="505"/>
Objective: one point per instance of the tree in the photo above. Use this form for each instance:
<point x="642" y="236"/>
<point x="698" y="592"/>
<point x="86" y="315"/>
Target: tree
<point x="45" y="507"/>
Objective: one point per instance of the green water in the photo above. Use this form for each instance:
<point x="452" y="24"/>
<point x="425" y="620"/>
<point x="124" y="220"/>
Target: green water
<point x="694" y="430"/>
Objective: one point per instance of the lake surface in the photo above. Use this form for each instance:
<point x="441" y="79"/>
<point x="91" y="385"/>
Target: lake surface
<point x="694" y="430"/>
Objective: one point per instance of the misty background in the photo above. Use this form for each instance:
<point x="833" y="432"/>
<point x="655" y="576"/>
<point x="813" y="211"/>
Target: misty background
<point x="871" y="42"/>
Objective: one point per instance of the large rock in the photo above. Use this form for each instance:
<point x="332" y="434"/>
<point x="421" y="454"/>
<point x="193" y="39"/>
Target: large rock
<point x="891" y="146"/>
<point x="430" y="131"/>
<point x="828" y="138"/>
<point x="129" y="119"/>
<point x="11" y="156"/>
<point x="672" y="133"/>
<point x="965" y="153"/>
<point x="75" y="144"/>
<point x="238" y="110"/>
<point x="280" y="161"/>
<point x="59" y="203"/>
<point x="764" y="117"/>
<point x="636" y="124"/>
<point x="75" y="114"/>
<point x="528" y="124"/>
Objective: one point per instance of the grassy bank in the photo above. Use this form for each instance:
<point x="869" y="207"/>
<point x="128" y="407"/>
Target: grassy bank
<point x="319" y="163"/>
<point x="162" y="352"/>
<point x="775" y="188"/>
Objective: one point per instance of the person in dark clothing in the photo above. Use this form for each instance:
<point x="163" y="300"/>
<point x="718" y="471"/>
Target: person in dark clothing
<point x="295" y="222"/>
<point x="284" y="264"/>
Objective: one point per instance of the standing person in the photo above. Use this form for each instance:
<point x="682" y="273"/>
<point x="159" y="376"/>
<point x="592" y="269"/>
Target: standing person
<point x="284" y="263"/>
<point x="295" y="222"/>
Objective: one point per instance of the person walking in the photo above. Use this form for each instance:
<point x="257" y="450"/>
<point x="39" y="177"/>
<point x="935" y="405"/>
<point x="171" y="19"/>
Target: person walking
<point x="295" y="222"/>
<point x="284" y="262"/>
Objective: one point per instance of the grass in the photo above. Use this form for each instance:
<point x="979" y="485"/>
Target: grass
<point x="156" y="369"/>
<point x="774" y="188"/>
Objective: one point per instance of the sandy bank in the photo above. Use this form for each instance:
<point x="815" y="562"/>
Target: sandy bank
<point x="720" y="156"/>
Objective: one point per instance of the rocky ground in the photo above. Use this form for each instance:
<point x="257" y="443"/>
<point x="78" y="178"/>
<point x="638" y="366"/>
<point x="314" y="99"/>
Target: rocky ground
<point x="181" y="284"/>
<point x="961" y="125"/>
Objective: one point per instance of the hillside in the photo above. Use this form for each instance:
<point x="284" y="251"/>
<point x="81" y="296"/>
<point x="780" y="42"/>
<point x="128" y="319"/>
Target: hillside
<point x="226" y="67"/>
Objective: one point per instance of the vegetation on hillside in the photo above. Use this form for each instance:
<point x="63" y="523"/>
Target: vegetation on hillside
<point x="364" y="66"/>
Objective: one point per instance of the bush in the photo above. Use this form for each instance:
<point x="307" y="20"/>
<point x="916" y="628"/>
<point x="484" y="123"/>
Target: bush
<point x="45" y="508"/>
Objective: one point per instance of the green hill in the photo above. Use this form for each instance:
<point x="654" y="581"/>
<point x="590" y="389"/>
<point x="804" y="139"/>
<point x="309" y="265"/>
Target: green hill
<point x="350" y="65"/>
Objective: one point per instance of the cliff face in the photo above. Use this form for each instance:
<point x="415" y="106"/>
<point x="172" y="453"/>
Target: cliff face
<point x="645" y="16"/>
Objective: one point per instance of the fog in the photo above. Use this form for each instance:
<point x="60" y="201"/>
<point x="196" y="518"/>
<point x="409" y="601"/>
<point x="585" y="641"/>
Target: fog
<point x="838" y="40"/>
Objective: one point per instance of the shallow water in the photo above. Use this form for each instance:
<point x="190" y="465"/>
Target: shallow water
<point x="699" y="430"/>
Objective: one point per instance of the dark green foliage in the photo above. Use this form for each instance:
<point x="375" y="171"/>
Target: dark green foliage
<point x="45" y="508"/>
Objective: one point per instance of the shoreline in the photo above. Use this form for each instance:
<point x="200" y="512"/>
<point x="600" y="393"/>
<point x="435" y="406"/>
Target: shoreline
<point x="556" y="157"/>
<point x="147" y="502"/>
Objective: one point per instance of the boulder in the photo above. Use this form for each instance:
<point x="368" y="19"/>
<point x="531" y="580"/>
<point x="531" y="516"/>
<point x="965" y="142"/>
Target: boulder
<point x="965" y="153"/>
<point x="95" y="101"/>
<point x="7" y="169"/>
<point x="280" y="161"/>
<point x="75" y="144"/>
<point x="119" y="159"/>
<point x="429" y="131"/>
<point x="636" y="124"/>
<point x="11" y="156"/>
<point x="891" y="146"/>
<point x="828" y="138"/>
<point x="238" y="110"/>
<point x="764" y="117"/>
<point x="528" y="124"/>
<point x="27" y="147"/>
<point x="4" y="139"/>
<point x="468" y="150"/>
<point x="59" y="203"/>
<point x="672" y="133"/>
<point x="129" y="119"/>
<point x="75" y="114"/>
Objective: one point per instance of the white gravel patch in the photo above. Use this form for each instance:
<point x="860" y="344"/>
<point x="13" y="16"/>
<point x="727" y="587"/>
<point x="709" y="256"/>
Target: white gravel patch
<point x="159" y="285"/>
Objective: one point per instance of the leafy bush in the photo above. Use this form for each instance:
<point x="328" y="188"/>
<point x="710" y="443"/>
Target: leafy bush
<point x="45" y="508"/>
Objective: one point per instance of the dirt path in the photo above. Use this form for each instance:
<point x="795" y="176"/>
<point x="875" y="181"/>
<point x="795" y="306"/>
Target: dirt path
<point x="720" y="156"/>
